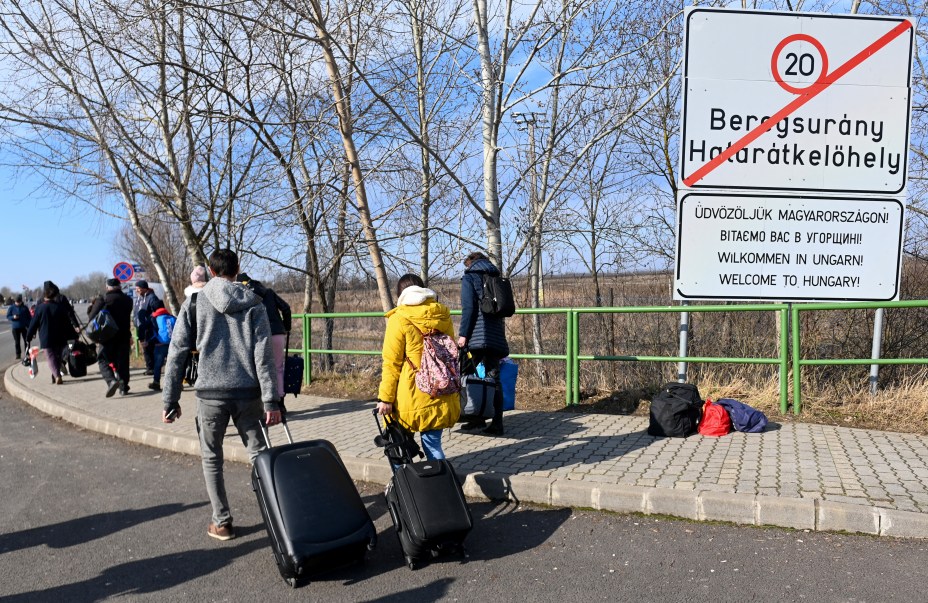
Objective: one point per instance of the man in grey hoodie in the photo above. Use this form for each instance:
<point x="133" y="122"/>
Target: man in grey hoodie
<point x="235" y="375"/>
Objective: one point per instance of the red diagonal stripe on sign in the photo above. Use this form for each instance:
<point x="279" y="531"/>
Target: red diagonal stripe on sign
<point x="813" y="91"/>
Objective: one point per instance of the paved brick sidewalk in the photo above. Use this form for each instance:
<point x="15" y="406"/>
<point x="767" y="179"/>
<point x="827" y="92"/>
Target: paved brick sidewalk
<point x="797" y="475"/>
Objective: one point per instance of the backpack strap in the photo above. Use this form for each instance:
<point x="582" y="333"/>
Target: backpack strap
<point x="423" y="333"/>
<point x="193" y="318"/>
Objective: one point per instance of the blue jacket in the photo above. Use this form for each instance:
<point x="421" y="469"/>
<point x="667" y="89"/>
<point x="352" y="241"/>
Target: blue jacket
<point x="19" y="316"/>
<point x="482" y="332"/>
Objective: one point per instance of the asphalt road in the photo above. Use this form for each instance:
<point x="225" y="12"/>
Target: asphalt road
<point x="86" y="517"/>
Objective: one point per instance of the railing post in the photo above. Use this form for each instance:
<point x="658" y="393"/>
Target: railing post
<point x="784" y="359"/>
<point x="568" y="360"/>
<point x="576" y="359"/>
<point x="307" y="345"/>
<point x="797" y="377"/>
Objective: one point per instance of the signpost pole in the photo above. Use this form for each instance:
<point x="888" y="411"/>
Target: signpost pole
<point x="684" y="342"/>
<point x="875" y="350"/>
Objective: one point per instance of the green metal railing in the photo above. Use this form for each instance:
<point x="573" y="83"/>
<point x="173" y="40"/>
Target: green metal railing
<point x="308" y="349"/>
<point x="798" y="362"/>
<point x="788" y="314"/>
<point x="576" y="357"/>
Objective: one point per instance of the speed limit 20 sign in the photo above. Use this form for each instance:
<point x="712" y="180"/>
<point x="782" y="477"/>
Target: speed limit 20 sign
<point x="781" y="101"/>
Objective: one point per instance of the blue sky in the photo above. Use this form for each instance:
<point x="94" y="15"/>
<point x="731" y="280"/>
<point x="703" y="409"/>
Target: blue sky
<point x="50" y="239"/>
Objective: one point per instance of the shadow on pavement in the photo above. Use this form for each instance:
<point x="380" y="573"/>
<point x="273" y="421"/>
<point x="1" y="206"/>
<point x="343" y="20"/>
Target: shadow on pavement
<point x="331" y="409"/>
<point x="162" y="572"/>
<point x="434" y="591"/>
<point x="500" y="529"/>
<point x="545" y="442"/>
<point x="86" y="529"/>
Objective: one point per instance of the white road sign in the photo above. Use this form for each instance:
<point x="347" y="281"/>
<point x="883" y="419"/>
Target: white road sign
<point x="788" y="248"/>
<point x="786" y="101"/>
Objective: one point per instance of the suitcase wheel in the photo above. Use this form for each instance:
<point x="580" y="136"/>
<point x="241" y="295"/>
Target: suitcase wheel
<point x="410" y="563"/>
<point x="292" y="582"/>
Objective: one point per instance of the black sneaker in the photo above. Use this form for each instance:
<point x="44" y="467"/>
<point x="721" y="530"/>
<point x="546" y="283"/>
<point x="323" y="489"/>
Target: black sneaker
<point x="154" y="386"/>
<point x="111" y="388"/>
<point x="472" y="425"/>
<point x="494" y="430"/>
<point x="148" y="372"/>
<point x="124" y="391"/>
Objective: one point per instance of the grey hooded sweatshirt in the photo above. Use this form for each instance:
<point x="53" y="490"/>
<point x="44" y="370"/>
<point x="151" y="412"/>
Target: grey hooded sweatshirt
<point x="233" y="339"/>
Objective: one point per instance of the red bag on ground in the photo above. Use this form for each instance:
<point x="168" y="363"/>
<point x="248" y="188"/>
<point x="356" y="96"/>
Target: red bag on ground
<point x="715" y="420"/>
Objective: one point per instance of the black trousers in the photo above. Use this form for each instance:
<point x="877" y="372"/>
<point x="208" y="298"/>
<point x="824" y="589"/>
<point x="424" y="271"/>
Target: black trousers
<point x="17" y="335"/>
<point x="115" y="353"/>
<point x="148" y="351"/>
<point x="490" y="360"/>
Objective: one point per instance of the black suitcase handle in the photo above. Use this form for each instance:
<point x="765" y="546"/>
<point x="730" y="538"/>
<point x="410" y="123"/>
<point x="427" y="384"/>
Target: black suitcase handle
<point x="408" y="451"/>
<point x="267" y="439"/>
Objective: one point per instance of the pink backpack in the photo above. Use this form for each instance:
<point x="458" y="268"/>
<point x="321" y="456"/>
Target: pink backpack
<point x="439" y="371"/>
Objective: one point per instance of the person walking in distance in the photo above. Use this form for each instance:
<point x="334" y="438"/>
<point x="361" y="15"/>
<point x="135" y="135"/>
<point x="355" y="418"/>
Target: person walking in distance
<point x="146" y="302"/>
<point x="484" y="336"/>
<point x="417" y="312"/>
<point x="113" y="354"/>
<point x="198" y="279"/>
<point x="235" y="382"/>
<point x="278" y="312"/>
<point x="164" y="327"/>
<point x="20" y="317"/>
<point x="54" y="325"/>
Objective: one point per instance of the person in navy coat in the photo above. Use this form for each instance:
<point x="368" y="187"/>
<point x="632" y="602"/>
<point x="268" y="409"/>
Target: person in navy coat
<point x="54" y="323"/>
<point x="484" y="336"/>
<point x="19" y="316"/>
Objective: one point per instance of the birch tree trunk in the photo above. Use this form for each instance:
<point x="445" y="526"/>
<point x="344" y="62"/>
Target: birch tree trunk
<point x="489" y="126"/>
<point x="346" y="128"/>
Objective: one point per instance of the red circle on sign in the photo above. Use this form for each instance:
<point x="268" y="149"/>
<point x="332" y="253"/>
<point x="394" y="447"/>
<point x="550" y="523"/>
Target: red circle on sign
<point x="776" y="55"/>
<point x="123" y="271"/>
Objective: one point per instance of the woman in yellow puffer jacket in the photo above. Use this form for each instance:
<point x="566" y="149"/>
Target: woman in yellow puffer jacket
<point x="417" y="312"/>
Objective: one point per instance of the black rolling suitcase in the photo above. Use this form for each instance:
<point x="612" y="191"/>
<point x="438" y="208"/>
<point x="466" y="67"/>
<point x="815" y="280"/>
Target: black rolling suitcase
<point x="293" y="372"/>
<point x="424" y="498"/>
<point x="314" y="516"/>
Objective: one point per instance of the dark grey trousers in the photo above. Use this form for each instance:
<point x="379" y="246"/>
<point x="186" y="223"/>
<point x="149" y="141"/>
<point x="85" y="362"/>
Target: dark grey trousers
<point x="213" y="418"/>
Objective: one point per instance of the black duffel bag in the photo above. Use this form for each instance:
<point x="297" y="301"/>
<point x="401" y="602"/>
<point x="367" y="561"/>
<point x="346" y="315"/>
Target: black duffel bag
<point x="675" y="411"/>
<point x="78" y="358"/>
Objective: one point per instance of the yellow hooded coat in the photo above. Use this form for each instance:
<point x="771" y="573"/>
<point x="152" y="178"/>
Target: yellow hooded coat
<point x="417" y="312"/>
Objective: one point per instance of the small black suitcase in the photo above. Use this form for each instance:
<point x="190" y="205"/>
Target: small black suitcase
<point x="76" y="358"/>
<point x="314" y="516"/>
<point x="428" y="510"/>
<point x="426" y="504"/>
<point x="293" y="372"/>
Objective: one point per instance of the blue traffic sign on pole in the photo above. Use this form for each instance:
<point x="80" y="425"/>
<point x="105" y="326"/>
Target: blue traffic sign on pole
<point x="123" y="271"/>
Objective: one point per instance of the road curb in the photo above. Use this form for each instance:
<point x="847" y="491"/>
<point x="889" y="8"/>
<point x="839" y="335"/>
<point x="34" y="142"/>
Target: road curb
<point x="700" y="505"/>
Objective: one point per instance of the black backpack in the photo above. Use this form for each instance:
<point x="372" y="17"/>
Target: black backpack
<point x="675" y="411"/>
<point x="497" y="300"/>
